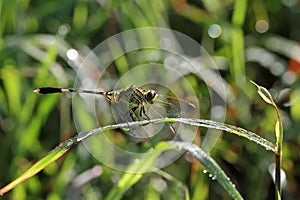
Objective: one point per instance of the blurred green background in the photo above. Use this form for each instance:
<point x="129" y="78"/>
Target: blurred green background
<point x="253" y="40"/>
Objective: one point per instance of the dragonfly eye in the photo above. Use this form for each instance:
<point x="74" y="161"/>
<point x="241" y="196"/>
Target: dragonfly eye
<point x="151" y="96"/>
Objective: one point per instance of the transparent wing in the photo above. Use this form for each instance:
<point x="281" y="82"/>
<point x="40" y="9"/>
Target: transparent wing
<point x="168" y="106"/>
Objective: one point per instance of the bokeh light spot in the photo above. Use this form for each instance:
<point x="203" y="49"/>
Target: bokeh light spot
<point x="72" y="54"/>
<point x="262" y="26"/>
<point x="214" y="31"/>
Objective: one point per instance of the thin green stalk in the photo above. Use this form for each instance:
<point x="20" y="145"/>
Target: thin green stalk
<point x="267" y="97"/>
<point x="278" y="155"/>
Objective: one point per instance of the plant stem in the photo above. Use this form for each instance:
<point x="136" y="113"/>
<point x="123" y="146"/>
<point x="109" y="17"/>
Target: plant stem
<point x="278" y="155"/>
<point x="277" y="176"/>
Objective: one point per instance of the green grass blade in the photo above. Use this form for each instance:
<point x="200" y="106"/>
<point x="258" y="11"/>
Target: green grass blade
<point x="130" y="178"/>
<point x="230" y="129"/>
<point x="189" y="121"/>
<point x="41" y="164"/>
<point x="215" y="171"/>
<point x="237" y="67"/>
<point x="10" y="77"/>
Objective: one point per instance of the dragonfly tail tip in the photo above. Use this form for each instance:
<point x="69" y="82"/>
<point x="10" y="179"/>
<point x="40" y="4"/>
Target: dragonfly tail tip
<point x="36" y="91"/>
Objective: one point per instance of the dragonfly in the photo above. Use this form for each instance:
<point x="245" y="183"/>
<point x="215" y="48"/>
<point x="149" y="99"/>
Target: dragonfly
<point x="133" y="95"/>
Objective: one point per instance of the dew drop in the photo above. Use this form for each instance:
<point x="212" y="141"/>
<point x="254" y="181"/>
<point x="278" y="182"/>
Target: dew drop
<point x="204" y="171"/>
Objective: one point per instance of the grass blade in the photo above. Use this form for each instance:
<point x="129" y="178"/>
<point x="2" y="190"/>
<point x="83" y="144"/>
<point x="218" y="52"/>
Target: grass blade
<point x="130" y="178"/>
<point x="215" y="171"/>
<point x="41" y="164"/>
<point x="189" y="121"/>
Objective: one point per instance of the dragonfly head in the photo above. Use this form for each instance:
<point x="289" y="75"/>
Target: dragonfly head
<point x="151" y="96"/>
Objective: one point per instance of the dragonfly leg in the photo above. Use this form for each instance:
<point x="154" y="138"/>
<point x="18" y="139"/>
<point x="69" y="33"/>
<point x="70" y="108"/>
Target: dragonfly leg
<point x="134" y="118"/>
<point x="132" y="115"/>
<point x="144" y="112"/>
<point x="172" y="130"/>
